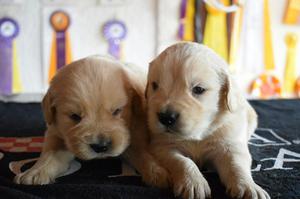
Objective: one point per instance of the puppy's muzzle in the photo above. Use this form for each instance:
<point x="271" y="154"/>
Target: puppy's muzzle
<point x="168" y="118"/>
<point x="102" y="146"/>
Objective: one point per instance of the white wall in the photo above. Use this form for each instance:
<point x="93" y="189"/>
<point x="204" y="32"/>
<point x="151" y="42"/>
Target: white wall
<point x="152" y="26"/>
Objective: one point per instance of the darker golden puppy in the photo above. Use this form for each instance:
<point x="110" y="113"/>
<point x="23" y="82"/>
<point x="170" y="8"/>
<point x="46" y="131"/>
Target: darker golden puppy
<point x="94" y="108"/>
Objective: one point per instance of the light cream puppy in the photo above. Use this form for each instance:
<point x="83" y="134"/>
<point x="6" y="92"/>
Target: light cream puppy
<point x="198" y="117"/>
<point x="94" y="108"/>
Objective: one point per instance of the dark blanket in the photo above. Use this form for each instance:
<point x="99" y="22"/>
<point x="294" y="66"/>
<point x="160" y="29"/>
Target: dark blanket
<point x="274" y="148"/>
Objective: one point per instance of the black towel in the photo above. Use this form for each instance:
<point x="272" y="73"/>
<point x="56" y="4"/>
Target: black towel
<point x="274" y="148"/>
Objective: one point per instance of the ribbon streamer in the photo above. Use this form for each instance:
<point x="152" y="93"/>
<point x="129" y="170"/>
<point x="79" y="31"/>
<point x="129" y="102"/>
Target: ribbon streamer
<point x="10" y="81"/>
<point x="298" y="87"/>
<point x="61" y="48"/>
<point x="292" y="13"/>
<point x="267" y="85"/>
<point x="114" y="31"/>
<point x="215" y="34"/>
<point x="219" y="6"/>
<point x="236" y="19"/>
<point x="290" y="67"/>
<point x="199" y="20"/>
<point x="186" y="26"/>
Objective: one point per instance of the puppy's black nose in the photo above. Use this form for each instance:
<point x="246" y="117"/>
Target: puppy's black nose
<point x="168" y="118"/>
<point x="102" y="146"/>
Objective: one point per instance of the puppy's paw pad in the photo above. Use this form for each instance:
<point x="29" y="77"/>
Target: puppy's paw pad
<point x="33" y="177"/>
<point x="193" y="186"/>
<point x="248" y="191"/>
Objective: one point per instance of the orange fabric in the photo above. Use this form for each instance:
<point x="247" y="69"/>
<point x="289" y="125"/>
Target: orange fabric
<point x="266" y="86"/>
<point x="68" y="49"/>
<point x="53" y="62"/>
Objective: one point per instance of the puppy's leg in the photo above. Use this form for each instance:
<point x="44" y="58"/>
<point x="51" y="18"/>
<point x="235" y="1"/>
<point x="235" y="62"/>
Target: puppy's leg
<point x="151" y="171"/>
<point x="186" y="178"/>
<point x="54" y="160"/>
<point x="233" y="163"/>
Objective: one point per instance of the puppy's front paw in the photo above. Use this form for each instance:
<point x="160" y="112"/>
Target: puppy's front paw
<point x="32" y="176"/>
<point x="192" y="186"/>
<point x="247" y="191"/>
<point x="156" y="176"/>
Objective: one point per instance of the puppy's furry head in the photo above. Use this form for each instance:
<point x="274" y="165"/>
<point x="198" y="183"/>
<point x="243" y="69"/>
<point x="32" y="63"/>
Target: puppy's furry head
<point x="89" y="105"/>
<point x="188" y="87"/>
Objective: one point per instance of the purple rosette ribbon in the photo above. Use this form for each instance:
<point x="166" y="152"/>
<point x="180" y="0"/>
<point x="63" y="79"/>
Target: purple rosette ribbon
<point x="9" y="29"/>
<point x="114" y="32"/>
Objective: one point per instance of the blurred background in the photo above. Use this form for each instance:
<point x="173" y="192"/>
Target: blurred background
<point x="257" y="38"/>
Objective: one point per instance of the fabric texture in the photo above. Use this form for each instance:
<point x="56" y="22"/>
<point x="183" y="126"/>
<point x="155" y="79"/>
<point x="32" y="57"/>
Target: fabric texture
<point x="274" y="148"/>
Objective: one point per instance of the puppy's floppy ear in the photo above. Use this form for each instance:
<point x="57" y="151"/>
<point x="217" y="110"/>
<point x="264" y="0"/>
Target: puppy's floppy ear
<point x="229" y="94"/>
<point x="136" y="86"/>
<point x="48" y="108"/>
<point x="148" y="77"/>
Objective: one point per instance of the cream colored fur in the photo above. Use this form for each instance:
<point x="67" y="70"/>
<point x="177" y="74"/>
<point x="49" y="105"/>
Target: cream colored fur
<point x="213" y="128"/>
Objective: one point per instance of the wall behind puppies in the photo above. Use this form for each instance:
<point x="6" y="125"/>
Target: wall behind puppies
<point x="87" y="19"/>
<point x="152" y="25"/>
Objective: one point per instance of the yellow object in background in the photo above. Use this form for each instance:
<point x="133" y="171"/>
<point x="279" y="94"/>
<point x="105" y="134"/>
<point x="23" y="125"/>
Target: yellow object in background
<point x="298" y="87"/>
<point x="292" y="13"/>
<point x="186" y="27"/>
<point x="267" y="85"/>
<point x="235" y="37"/>
<point x="268" y="50"/>
<point x="189" y="21"/>
<point x="290" y="74"/>
<point x="215" y="33"/>
<point x="17" y="86"/>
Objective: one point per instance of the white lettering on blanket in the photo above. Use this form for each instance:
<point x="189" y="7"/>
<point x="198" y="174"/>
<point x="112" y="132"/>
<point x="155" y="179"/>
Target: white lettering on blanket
<point x="279" y="160"/>
<point x="264" y="137"/>
<point x="267" y="137"/>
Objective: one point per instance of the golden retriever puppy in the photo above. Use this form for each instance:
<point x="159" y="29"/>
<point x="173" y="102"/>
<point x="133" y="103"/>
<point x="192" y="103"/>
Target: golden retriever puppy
<point x="94" y="108"/>
<point x="198" y="117"/>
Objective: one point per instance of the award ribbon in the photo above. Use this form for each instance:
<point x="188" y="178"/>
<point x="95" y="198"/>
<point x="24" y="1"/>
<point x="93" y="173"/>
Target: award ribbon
<point x="10" y="81"/>
<point x="298" y="87"/>
<point x="292" y="13"/>
<point x="235" y="36"/>
<point x="219" y="5"/>
<point x="215" y="33"/>
<point x="114" y="31"/>
<point x="186" y="24"/>
<point x="290" y="76"/>
<point x="61" y="48"/>
<point x="267" y="85"/>
<point x="199" y="20"/>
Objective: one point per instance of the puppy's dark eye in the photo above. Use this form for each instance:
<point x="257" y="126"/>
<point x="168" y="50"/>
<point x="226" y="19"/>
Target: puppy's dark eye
<point x="198" y="90"/>
<point x="154" y="86"/>
<point x="117" y="112"/>
<point x="75" y="117"/>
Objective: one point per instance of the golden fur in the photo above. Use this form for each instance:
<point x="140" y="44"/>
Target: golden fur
<point x="109" y="99"/>
<point x="211" y="128"/>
